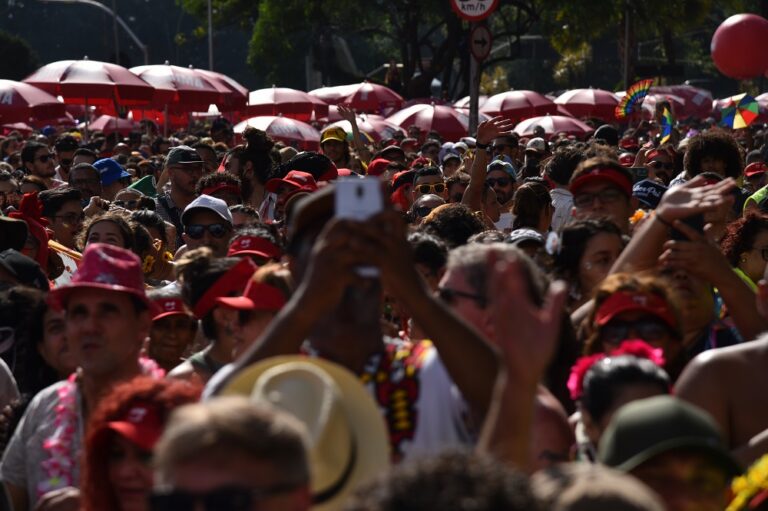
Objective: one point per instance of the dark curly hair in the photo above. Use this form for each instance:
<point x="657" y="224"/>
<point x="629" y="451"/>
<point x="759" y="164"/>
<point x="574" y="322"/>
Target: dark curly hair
<point x="716" y="144"/>
<point x="165" y="394"/>
<point x="216" y="178"/>
<point x="563" y="163"/>
<point x="740" y="235"/>
<point x="453" y="223"/>
<point x="452" y="481"/>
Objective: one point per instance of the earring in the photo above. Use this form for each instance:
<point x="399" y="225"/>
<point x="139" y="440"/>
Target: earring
<point x="743" y="259"/>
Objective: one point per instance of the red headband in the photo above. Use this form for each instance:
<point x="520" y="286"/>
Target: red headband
<point x="257" y="296"/>
<point x="221" y="187"/>
<point x="625" y="301"/>
<point x="254" y="245"/>
<point x="603" y="174"/>
<point x="234" y="280"/>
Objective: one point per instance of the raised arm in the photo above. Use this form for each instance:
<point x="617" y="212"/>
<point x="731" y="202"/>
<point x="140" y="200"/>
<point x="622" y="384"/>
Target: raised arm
<point x="528" y="337"/>
<point x="487" y="131"/>
<point x="348" y="115"/>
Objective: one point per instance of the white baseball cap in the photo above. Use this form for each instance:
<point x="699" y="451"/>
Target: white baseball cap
<point x="218" y="206"/>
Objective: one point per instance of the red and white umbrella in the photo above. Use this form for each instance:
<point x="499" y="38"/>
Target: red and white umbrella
<point x="178" y="87"/>
<point x="590" y="102"/>
<point x="287" y="102"/>
<point x="91" y="82"/>
<point x="287" y="130"/>
<point x="451" y="123"/>
<point x="518" y="105"/>
<point x="364" y="97"/>
<point x="109" y="124"/>
<point x="376" y="126"/>
<point x="464" y="102"/>
<point x="20" y="101"/>
<point x="234" y="95"/>
<point x="696" y="101"/>
<point x="553" y="124"/>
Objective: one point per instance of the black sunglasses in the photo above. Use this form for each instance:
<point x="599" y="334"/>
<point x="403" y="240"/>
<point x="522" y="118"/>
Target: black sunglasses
<point x="449" y="296"/>
<point x="197" y="231"/>
<point x="422" y="211"/>
<point x="501" y="181"/>
<point x="232" y="498"/>
<point x="44" y="157"/>
<point x="647" y="329"/>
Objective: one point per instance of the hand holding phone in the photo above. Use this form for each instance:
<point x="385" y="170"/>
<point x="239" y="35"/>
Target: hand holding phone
<point x="359" y="199"/>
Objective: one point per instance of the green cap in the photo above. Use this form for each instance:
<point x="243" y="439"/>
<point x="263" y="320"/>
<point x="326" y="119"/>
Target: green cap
<point x="644" y="429"/>
<point x="145" y="185"/>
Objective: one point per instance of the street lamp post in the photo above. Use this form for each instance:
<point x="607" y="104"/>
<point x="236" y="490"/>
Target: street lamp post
<point x="210" y="36"/>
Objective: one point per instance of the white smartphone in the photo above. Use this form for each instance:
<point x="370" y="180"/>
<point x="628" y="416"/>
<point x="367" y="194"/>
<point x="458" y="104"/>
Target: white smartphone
<point x="359" y="199"/>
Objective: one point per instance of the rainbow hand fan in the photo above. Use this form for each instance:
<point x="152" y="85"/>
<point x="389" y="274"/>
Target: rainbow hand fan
<point x="633" y="98"/>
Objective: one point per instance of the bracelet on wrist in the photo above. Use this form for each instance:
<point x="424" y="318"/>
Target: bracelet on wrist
<point x="484" y="147"/>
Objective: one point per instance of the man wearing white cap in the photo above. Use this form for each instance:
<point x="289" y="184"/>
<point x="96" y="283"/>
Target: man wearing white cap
<point x="207" y="223"/>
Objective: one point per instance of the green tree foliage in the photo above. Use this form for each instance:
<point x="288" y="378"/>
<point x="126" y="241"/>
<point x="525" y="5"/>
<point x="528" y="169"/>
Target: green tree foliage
<point x="19" y="60"/>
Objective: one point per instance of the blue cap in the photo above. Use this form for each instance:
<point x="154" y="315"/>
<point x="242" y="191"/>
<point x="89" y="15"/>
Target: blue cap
<point x="48" y="130"/>
<point x="110" y="171"/>
<point x="503" y="165"/>
<point x="648" y="193"/>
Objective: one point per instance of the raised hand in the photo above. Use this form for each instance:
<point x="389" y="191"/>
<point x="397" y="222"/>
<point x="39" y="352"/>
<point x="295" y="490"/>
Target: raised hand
<point x="526" y="334"/>
<point x="699" y="255"/>
<point x="493" y="128"/>
<point x="693" y="198"/>
<point x="347" y="113"/>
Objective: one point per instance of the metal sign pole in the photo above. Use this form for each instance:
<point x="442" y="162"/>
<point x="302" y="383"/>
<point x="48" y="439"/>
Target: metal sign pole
<point x="474" y="90"/>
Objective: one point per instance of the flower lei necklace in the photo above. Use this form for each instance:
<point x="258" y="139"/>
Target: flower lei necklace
<point x="61" y="460"/>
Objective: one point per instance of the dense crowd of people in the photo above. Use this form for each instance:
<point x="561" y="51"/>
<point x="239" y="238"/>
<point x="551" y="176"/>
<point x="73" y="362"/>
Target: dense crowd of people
<point x="550" y="323"/>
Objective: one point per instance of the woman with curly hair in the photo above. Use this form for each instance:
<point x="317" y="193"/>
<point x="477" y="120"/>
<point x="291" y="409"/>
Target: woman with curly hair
<point x="110" y="228"/>
<point x="745" y="245"/>
<point x="713" y="151"/>
<point x="120" y="436"/>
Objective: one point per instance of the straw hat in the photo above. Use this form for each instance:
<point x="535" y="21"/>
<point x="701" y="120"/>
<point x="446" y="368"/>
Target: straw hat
<point x="348" y="438"/>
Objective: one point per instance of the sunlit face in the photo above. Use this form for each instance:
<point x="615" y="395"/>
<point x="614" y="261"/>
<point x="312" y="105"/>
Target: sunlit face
<point x="601" y="252"/>
<point x="43" y="164"/>
<point x="105" y="232"/>
<point x="67" y="223"/>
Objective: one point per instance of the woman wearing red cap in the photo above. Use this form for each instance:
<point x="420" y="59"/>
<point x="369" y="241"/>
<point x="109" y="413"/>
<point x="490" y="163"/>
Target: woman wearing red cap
<point x="120" y="436"/>
<point x="633" y="308"/>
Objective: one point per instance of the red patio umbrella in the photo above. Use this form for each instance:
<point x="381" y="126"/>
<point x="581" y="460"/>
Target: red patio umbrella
<point x="287" y="102"/>
<point x="109" y="124"/>
<point x="179" y="88"/>
<point x="290" y="131"/>
<point x="451" y="123"/>
<point x="376" y="126"/>
<point x="552" y="125"/>
<point x="464" y="102"/>
<point x="518" y="105"/>
<point x="590" y="102"/>
<point x="364" y="97"/>
<point x="697" y="102"/>
<point x="234" y="95"/>
<point x="20" y="101"/>
<point x="92" y="82"/>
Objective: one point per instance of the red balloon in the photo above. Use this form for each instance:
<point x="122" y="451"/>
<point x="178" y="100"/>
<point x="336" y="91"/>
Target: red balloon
<point x="738" y="46"/>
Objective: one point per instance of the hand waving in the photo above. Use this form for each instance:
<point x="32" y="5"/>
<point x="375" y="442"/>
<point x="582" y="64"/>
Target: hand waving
<point x="693" y="198"/>
<point x="493" y="128"/>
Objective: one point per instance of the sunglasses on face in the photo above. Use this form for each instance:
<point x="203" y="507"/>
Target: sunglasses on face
<point x="233" y="498"/>
<point x="501" y="181"/>
<point x="127" y="204"/>
<point x="660" y="164"/>
<point x="44" y="158"/>
<point x="197" y="231"/>
<point x="436" y="188"/>
<point x="650" y="330"/>
<point x="607" y="196"/>
<point x="450" y="296"/>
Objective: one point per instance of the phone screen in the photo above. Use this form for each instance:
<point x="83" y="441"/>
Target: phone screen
<point x="359" y="199"/>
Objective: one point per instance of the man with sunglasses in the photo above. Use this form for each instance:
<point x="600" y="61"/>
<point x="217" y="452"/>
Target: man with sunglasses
<point x="64" y="210"/>
<point x="502" y="177"/>
<point x="465" y="289"/>
<point x="38" y="161"/>
<point x="207" y="223"/>
<point x="65" y="148"/>
<point x="507" y="148"/>
<point x="601" y="187"/>
<point x="429" y="180"/>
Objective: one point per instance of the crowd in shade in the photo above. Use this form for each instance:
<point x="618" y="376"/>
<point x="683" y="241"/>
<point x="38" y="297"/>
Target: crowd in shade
<point x="219" y="322"/>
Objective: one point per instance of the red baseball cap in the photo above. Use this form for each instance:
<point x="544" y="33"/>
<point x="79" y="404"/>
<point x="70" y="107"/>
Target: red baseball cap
<point x="623" y="301"/>
<point x="626" y="159"/>
<point x="295" y="180"/>
<point x="105" y="267"/>
<point x="378" y="166"/>
<point x="421" y="161"/>
<point x="601" y="175"/>
<point x="254" y="245"/>
<point x="233" y="281"/>
<point x="755" y="168"/>
<point x="257" y="297"/>
<point x="141" y="425"/>
<point x="165" y="307"/>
